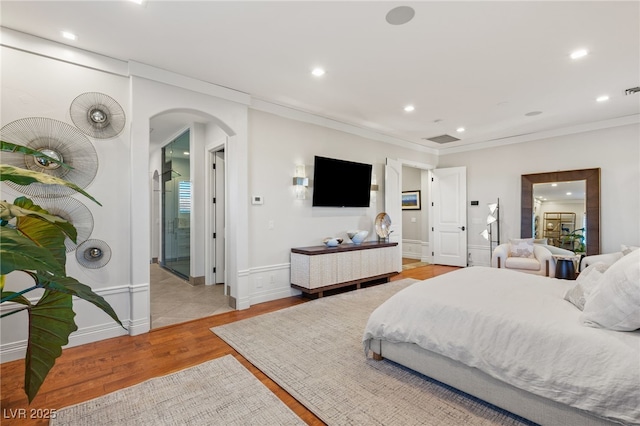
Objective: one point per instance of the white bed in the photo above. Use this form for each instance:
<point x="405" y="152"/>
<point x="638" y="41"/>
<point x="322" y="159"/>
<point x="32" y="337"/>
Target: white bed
<point x="512" y="340"/>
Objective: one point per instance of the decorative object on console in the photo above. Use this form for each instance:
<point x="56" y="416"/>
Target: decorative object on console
<point x="73" y="211"/>
<point x="58" y="140"/>
<point x="493" y="217"/>
<point x="411" y="200"/>
<point x="332" y="242"/>
<point x="301" y="182"/>
<point x="97" y="115"/>
<point x="357" y="236"/>
<point x="93" y="254"/>
<point x="383" y="226"/>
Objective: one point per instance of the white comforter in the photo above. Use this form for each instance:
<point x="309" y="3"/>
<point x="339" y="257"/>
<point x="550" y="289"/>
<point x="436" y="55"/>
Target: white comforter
<point x="517" y="328"/>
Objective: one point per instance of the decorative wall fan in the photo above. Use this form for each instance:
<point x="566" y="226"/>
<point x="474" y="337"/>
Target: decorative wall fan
<point x="74" y="212"/>
<point x="97" y="115"/>
<point x="93" y="254"/>
<point x="58" y="140"/>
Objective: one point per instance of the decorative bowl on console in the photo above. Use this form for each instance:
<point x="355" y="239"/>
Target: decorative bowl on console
<point x="357" y="236"/>
<point x="332" y="242"/>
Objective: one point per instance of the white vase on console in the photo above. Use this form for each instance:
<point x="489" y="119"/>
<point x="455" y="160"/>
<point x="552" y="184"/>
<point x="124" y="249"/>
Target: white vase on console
<point x="357" y="236"/>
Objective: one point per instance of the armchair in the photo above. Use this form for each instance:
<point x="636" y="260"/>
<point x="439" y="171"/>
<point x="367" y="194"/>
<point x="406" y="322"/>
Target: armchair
<point x="606" y="258"/>
<point x="542" y="263"/>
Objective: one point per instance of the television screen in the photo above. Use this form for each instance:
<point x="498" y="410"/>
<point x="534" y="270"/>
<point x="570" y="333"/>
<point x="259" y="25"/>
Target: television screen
<point x="340" y="183"/>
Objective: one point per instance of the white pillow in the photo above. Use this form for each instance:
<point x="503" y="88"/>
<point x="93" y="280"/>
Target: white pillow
<point x="625" y="249"/>
<point x="521" y="248"/>
<point x="586" y="283"/>
<point x="615" y="303"/>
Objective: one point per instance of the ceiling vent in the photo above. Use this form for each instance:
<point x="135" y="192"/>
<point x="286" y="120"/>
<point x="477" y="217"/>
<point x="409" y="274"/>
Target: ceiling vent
<point x="442" y="139"/>
<point x="632" y="91"/>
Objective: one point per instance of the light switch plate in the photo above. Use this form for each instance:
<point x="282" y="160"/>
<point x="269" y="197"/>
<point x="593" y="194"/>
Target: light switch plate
<point x="257" y="199"/>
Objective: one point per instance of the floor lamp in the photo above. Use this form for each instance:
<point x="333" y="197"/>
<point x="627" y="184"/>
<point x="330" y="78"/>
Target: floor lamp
<point x="493" y="217"/>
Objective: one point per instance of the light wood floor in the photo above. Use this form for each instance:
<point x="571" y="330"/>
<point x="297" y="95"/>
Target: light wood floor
<point x="88" y="371"/>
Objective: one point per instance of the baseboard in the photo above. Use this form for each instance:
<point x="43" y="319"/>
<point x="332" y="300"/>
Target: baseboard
<point x="478" y="255"/>
<point x="14" y="339"/>
<point x="196" y="280"/>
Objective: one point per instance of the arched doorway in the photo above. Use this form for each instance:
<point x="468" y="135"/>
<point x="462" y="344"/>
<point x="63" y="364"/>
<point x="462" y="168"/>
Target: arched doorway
<point x="183" y="237"/>
<point x="158" y="92"/>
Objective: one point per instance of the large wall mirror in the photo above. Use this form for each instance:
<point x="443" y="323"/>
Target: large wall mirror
<point x="591" y="219"/>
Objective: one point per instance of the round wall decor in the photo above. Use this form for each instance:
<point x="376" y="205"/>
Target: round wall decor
<point x="97" y="115"/>
<point x="74" y="212"/>
<point x="58" y="140"/>
<point x="93" y="254"/>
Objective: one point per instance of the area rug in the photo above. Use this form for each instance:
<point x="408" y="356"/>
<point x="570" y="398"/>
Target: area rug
<point x="217" y="392"/>
<point x="314" y="351"/>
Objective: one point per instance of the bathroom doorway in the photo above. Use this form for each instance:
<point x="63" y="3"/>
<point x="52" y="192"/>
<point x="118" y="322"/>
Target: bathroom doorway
<point x="176" y="206"/>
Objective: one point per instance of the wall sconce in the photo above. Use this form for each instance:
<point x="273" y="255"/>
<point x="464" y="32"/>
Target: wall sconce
<point x="301" y="182"/>
<point x="374" y="182"/>
<point x="493" y="217"/>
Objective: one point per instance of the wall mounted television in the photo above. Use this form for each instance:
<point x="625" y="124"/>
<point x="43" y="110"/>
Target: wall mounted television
<point x="340" y="183"/>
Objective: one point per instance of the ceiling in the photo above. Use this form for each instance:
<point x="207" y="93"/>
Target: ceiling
<point x="561" y="191"/>
<point x="498" y="69"/>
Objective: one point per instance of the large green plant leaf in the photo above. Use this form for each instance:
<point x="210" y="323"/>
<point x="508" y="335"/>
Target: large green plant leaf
<point x="12" y="147"/>
<point x="19" y="253"/>
<point x="14" y="297"/>
<point x="24" y="207"/>
<point x="50" y="324"/>
<point x="72" y="286"/>
<point x="42" y="232"/>
<point x="27" y="177"/>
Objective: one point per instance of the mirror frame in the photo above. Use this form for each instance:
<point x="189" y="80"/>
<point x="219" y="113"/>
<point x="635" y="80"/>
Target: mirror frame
<point x="592" y="178"/>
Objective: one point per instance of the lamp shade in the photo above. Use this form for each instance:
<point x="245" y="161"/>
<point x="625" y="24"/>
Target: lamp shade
<point x="485" y="234"/>
<point x="493" y="207"/>
<point x="491" y="219"/>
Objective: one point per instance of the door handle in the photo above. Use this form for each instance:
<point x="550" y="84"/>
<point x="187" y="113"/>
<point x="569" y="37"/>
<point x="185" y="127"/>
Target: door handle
<point x="462" y="227"/>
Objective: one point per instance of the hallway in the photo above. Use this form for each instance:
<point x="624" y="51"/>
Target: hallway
<point x="174" y="300"/>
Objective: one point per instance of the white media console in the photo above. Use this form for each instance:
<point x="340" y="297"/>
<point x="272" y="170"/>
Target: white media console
<point x="320" y="268"/>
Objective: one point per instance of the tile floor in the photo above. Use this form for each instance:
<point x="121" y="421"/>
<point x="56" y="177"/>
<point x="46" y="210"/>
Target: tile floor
<point x="174" y="300"/>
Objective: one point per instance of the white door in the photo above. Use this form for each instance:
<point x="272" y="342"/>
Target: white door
<point x="218" y="217"/>
<point x="215" y="250"/>
<point x="393" y="203"/>
<point x="449" y="212"/>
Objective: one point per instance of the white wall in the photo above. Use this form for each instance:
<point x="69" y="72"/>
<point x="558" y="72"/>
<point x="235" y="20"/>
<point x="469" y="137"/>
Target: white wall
<point x="276" y="146"/>
<point x="34" y="86"/>
<point x="495" y="173"/>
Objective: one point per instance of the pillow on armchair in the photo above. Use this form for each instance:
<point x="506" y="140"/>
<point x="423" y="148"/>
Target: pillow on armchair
<point x="521" y="248"/>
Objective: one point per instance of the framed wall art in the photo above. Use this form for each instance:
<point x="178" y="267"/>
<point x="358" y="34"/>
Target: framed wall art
<point x="410" y="200"/>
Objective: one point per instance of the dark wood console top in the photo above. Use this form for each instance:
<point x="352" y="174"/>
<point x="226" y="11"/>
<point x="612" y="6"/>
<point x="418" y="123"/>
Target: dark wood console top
<point x="310" y="251"/>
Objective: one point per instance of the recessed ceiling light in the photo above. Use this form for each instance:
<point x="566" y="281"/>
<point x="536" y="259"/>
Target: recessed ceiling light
<point x="69" y="36"/>
<point x="318" y="72"/>
<point x="186" y="152"/>
<point x="460" y="129"/>
<point x="400" y="15"/>
<point x="568" y="193"/>
<point x="409" y="108"/>
<point x="580" y="53"/>
<point x="602" y="98"/>
<point x="554" y="184"/>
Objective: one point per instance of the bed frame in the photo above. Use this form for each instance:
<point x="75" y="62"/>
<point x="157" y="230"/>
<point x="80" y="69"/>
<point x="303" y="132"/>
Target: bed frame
<point x="480" y="385"/>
